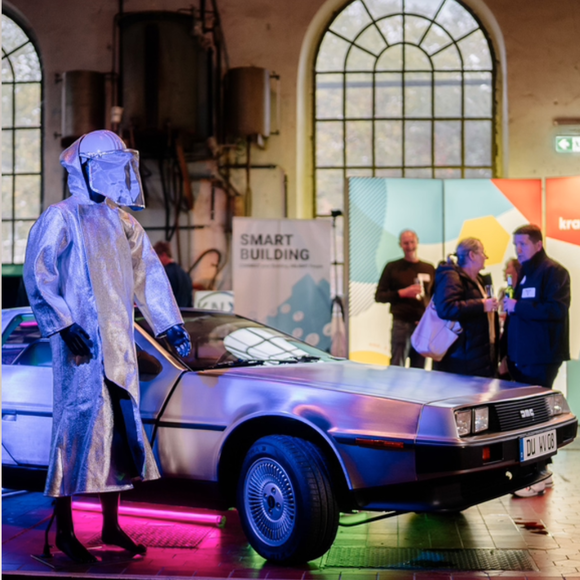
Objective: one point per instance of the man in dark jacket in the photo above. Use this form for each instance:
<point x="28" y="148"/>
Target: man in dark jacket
<point x="178" y="277"/>
<point x="537" y="330"/>
<point x="406" y="285"/>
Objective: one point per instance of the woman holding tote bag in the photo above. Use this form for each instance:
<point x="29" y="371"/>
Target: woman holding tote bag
<point x="460" y="295"/>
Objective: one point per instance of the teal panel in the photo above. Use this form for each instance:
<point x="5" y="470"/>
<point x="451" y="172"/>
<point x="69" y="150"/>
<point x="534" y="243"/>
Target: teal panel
<point x="466" y="199"/>
<point x="366" y="216"/>
<point x="573" y="376"/>
<point x="415" y="204"/>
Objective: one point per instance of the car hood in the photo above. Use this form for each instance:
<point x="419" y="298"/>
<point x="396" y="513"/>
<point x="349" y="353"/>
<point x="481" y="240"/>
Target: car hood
<point x="413" y="385"/>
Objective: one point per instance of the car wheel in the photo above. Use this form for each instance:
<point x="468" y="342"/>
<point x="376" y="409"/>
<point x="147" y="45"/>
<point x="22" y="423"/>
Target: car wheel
<point x="287" y="507"/>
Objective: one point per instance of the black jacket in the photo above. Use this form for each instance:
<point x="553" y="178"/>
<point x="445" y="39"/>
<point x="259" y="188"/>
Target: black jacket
<point x="398" y="275"/>
<point x="538" y="331"/>
<point x="457" y="297"/>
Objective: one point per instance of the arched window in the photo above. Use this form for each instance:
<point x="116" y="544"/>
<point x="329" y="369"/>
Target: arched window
<point x="403" y="88"/>
<point x="21" y="139"/>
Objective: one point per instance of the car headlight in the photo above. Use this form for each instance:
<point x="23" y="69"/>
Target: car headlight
<point x="555" y="404"/>
<point x="470" y="421"/>
<point x="463" y="421"/>
<point x="480" y="419"/>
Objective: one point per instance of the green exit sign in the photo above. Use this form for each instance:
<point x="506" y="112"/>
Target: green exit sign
<point x="568" y="144"/>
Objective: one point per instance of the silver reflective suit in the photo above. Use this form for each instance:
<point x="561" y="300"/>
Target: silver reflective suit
<point x="87" y="263"/>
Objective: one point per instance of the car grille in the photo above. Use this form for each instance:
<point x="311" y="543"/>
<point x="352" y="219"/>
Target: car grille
<point x="518" y="414"/>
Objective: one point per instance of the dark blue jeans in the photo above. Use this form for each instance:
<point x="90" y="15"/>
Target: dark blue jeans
<point x="401" y="347"/>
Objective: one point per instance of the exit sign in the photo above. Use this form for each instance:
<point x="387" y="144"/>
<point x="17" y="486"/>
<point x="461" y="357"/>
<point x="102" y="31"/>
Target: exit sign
<point x="568" y="144"/>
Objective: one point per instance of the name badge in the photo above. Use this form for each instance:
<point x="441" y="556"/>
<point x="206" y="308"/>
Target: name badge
<point x="529" y="293"/>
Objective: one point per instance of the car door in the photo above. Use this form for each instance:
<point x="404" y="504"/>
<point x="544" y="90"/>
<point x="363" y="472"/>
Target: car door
<point x="26" y="392"/>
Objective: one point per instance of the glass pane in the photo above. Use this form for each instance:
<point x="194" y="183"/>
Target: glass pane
<point x="332" y="53"/>
<point x="475" y="52"/>
<point x="7" y="195"/>
<point x="448" y="143"/>
<point x="358" y="59"/>
<point x="478" y="94"/>
<point x="27" y="151"/>
<point x="7" y="75"/>
<point x="359" y="146"/>
<point x="329" y="190"/>
<point x="447" y="95"/>
<point x="26" y="64"/>
<point x="359" y="96"/>
<point x="391" y="59"/>
<point x="359" y="172"/>
<point x="447" y="59"/>
<point x="435" y="40"/>
<point x="425" y="173"/>
<point x="329" y="96"/>
<point x="417" y="95"/>
<point x="7" y="120"/>
<point x="456" y="20"/>
<point x="6" y="242"/>
<point x="477" y="143"/>
<point x="415" y="27"/>
<point x="416" y="59"/>
<point x="447" y="173"/>
<point x="388" y="143"/>
<point x="27" y="105"/>
<point x="388" y="95"/>
<point x="12" y="35"/>
<point x="417" y="143"/>
<point x="389" y="173"/>
<point x="351" y="20"/>
<point x="372" y="40"/>
<point x="426" y="8"/>
<point x="21" y="230"/>
<point x="6" y="151"/>
<point x="381" y="8"/>
<point x="392" y="28"/>
<point x="329" y="144"/>
<point x="27" y="196"/>
<point x="478" y="173"/>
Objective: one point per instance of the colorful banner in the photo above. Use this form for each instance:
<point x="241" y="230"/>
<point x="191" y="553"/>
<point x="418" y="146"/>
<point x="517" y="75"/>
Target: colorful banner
<point x="441" y="212"/>
<point x="281" y="275"/>
<point x="563" y="242"/>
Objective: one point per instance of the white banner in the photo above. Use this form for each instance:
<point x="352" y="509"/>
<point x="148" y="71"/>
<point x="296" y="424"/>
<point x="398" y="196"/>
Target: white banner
<point x="281" y="275"/>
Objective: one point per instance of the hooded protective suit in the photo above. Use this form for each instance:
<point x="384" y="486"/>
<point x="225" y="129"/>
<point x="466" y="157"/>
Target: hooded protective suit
<point x="86" y="263"/>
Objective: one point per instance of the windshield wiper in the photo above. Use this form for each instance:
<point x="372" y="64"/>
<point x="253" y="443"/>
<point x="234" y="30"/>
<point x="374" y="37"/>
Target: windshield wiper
<point x="298" y="359"/>
<point x="237" y="363"/>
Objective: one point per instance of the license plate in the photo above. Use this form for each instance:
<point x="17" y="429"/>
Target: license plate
<point x="539" y="444"/>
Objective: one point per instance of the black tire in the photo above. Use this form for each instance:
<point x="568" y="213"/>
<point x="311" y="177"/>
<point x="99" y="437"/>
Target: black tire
<point x="287" y="507"/>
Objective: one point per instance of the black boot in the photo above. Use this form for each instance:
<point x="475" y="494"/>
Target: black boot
<point x="66" y="541"/>
<point x="112" y="532"/>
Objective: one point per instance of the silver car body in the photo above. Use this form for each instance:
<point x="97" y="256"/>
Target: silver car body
<point x="388" y="434"/>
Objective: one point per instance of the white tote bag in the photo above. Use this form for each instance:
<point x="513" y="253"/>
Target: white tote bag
<point x="433" y="335"/>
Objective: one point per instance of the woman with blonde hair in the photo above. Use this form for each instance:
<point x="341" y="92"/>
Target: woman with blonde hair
<point x="460" y="295"/>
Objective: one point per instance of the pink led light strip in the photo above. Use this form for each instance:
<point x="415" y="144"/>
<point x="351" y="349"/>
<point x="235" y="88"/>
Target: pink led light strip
<point x="157" y="514"/>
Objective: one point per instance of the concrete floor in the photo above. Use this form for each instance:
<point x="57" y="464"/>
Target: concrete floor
<point x="545" y="530"/>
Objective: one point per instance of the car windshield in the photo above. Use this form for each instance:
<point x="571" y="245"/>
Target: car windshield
<point x="220" y="340"/>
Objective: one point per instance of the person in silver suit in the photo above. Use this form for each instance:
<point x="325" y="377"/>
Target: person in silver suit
<point x="87" y="262"/>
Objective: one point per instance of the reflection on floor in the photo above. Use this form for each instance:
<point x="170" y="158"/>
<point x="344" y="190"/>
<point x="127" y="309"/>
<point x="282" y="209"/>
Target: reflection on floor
<point x="519" y="538"/>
